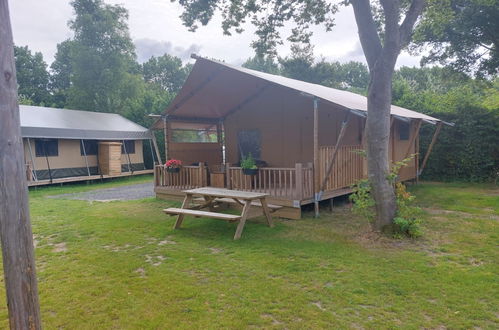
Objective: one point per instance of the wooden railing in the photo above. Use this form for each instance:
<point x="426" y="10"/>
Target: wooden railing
<point x="189" y="177"/>
<point x="292" y="183"/>
<point x="348" y="167"/>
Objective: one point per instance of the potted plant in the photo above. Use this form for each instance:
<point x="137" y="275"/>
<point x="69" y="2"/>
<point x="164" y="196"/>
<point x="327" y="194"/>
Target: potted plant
<point x="173" y="166"/>
<point x="248" y="165"/>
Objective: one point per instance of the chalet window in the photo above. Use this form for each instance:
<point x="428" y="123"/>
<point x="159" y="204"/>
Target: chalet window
<point x="404" y="131"/>
<point x="194" y="136"/>
<point x="129" y="145"/>
<point x="249" y="143"/>
<point x="47" y="147"/>
<point x="91" y="147"/>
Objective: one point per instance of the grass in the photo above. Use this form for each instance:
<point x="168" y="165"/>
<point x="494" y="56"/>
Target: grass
<point x="120" y="265"/>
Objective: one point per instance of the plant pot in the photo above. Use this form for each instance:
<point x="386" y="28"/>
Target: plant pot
<point x="173" y="170"/>
<point x="250" y="171"/>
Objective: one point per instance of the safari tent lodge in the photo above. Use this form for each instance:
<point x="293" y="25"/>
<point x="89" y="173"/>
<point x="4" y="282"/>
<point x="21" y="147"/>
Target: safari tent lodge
<point x="70" y="145"/>
<point x="304" y="137"/>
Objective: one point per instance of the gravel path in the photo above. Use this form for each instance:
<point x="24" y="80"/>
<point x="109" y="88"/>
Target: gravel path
<point x="122" y="193"/>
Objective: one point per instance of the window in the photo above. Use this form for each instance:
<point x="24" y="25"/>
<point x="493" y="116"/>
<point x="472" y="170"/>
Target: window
<point x="46" y="147"/>
<point x="404" y="130"/>
<point x="91" y="147"/>
<point x="249" y="143"/>
<point x="128" y="146"/>
<point x="194" y="136"/>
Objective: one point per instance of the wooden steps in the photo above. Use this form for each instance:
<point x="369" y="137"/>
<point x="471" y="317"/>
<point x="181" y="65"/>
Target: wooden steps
<point x="197" y="213"/>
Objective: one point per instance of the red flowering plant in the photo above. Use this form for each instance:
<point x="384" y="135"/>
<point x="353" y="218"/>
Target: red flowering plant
<point x="173" y="163"/>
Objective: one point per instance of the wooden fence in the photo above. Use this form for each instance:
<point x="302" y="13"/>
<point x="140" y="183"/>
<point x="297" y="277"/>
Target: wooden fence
<point x="348" y="167"/>
<point x="291" y="183"/>
<point x="189" y="177"/>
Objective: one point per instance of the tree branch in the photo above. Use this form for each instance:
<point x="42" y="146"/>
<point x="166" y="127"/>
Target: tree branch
<point x="368" y="34"/>
<point x="391" y="9"/>
<point x="410" y="19"/>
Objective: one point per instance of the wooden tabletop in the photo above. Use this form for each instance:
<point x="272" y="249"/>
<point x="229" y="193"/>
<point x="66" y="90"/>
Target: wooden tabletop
<point x="227" y="193"/>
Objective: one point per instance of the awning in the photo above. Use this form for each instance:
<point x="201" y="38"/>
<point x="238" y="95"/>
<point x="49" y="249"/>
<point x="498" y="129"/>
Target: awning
<point x="43" y="122"/>
<point x="214" y="89"/>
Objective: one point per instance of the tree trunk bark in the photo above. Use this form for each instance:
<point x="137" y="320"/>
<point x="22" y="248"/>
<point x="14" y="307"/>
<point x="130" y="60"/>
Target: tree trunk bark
<point x="378" y="139"/>
<point x="15" y="226"/>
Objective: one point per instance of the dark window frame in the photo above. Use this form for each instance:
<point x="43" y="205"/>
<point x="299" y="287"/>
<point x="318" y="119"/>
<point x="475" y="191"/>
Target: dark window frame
<point x="47" y="147"/>
<point x="130" y="147"/>
<point x="404" y="131"/>
<point x="91" y="147"/>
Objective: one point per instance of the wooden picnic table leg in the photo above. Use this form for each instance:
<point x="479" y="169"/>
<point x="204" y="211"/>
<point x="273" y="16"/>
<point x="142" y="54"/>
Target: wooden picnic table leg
<point x="242" y="221"/>
<point x="266" y="211"/>
<point x="209" y="199"/>
<point x="185" y="205"/>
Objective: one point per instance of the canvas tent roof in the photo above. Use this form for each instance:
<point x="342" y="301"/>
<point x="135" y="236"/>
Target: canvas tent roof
<point x="214" y="89"/>
<point x="43" y="122"/>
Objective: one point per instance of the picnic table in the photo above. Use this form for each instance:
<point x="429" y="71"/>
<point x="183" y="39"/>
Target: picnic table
<point x="211" y="197"/>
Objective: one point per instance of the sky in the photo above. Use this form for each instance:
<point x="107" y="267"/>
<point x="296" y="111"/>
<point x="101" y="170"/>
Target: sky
<point x="156" y="28"/>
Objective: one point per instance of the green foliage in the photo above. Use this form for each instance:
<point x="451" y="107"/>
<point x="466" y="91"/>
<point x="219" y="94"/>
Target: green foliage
<point x="363" y="202"/>
<point x="408" y="219"/>
<point x="166" y="71"/>
<point x="32" y="76"/>
<point x="248" y="162"/>
<point x="469" y="150"/>
<point x="462" y="33"/>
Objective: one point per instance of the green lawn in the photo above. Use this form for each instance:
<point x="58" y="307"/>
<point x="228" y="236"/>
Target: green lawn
<point x="120" y="265"/>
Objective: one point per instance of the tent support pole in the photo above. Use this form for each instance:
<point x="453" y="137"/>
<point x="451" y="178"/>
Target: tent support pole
<point x="156" y="149"/>
<point x="85" y="155"/>
<point x="430" y="147"/>
<point x="32" y="160"/>
<point x="344" y="125"/>
<point x="152" y="154"/>
<point x="414" y="137"/>
<point x="128" y="158"/>
<point x="47" y="160"/>
<point x="316" y="158"/>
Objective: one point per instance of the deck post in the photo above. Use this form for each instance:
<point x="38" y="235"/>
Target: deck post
<point x="228" y="182"/>
<point x="201" y="181"/>
<point x="166" y="137"/>
<point x="299" y="181"/>
<point x="316" y="157"/>
<point x="430" y="147"/>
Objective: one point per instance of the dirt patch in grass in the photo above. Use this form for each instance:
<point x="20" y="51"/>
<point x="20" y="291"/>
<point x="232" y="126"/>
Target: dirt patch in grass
<point x="60" y="247"/>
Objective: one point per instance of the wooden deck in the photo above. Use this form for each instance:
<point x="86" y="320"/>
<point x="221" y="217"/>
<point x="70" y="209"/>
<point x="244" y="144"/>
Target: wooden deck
<point x="85" y="178"/>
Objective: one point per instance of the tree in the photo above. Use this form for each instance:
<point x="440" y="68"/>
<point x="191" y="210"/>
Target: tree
<point x="462" y="33"/>
<point x="96" y="70"/>
<point x="32" y="75"/>
<point x="263" y="64"/>
<point x="385" y="28"/>
<point x="61" y="69"/>
<point x="15" y="227"/>
<point x="165" y="71"/>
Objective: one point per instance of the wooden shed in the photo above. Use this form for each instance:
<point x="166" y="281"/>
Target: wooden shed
<point x="63" y="145"/>
<point x="305" y="137"/>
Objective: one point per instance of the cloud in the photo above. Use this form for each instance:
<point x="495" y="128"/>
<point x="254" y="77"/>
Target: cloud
<point x="146" y="48"/>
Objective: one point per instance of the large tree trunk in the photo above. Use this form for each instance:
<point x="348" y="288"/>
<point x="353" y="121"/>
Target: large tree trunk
<point x="15" y="226"/>
<point x="378" y="139"/>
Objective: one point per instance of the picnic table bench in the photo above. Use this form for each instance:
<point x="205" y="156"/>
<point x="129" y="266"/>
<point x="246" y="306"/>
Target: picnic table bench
<point x="212" y="196"/>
